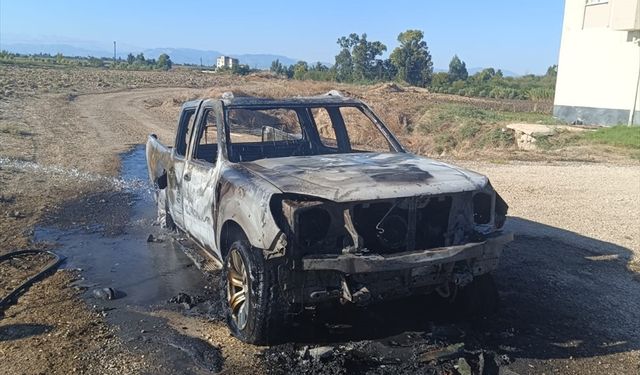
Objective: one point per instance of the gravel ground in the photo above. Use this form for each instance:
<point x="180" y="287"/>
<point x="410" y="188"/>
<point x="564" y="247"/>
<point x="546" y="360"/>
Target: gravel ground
<point x="599" y="201"/>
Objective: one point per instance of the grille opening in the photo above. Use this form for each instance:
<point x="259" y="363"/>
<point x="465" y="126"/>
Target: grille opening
<point x="432" y="223"/>
<point x="367" y="216"/>
<point x="390" y="235"/>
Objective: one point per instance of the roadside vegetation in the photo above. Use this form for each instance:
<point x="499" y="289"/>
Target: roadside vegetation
<point x="623" y="139"/>
<point x="428" y="123"/>
<point x="359" y="61"/>
<point x="137" y="62"/>
<point x="462" y="129"/>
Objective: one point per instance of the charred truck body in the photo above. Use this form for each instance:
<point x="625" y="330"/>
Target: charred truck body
<point x="312" y="200"/>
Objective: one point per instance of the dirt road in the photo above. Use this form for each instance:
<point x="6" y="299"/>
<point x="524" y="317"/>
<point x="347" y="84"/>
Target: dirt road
<point x="570" y="304"/>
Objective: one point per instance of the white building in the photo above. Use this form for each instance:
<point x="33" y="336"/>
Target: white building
<point x="599" y="63"/>
<point x="226" y="62"/>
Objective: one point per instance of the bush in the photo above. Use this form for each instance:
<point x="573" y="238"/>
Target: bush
<point x="498" y="138"/>
<point x="469" y="130"/>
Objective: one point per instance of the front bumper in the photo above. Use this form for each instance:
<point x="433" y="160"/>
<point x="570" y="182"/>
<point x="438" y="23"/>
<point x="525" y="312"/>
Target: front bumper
<point x="484" y="254"/>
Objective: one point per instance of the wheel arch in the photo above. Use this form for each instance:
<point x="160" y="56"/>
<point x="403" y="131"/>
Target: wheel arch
<point x="230" y="232"/>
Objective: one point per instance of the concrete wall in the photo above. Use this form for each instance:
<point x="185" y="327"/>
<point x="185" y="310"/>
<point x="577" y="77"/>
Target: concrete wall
<point x="598" y="65"/>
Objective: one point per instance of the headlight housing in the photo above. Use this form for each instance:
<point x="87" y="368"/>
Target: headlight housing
<point x="312" y="225"/>
<point x="309" y="222"/>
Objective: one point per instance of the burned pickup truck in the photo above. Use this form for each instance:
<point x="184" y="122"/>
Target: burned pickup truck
<point x="312" y="201"/>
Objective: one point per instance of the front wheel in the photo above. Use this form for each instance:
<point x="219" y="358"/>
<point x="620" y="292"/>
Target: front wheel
<point x="253" y="308"/>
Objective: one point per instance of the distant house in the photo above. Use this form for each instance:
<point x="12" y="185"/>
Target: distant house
<point x="599" y="63"/>
<point x="226" y="62"/>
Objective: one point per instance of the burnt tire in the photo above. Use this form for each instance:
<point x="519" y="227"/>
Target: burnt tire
<point x="259" y="319"/>
<point x="479" y="299"/>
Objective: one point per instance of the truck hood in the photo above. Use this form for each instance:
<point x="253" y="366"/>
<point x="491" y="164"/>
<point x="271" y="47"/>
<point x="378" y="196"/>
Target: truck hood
<point x="365" y="176"/>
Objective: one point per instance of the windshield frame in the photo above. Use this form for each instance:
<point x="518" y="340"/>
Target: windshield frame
<point x="307" y="122"/>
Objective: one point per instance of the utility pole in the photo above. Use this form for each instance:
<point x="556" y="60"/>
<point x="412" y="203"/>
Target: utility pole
<point x="632" y="112"/>
<point x="114" y="51"/>
<point x="200" y="61"/>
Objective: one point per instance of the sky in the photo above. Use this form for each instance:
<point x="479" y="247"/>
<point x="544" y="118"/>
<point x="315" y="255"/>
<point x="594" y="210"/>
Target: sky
<point x="522" y="36"/>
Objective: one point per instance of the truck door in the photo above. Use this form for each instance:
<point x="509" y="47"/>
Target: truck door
<point x="200" y="178"/>
<point x="186" y="126"/>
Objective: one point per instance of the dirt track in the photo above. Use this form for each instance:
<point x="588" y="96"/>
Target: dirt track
<point x="569" y="304"/>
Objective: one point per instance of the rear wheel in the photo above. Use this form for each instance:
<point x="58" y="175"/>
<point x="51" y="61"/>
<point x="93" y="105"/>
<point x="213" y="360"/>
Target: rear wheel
<point x="253" y="308"/>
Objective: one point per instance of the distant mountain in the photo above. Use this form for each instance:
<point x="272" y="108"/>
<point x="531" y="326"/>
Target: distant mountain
<point x="52" y="49"/>
<point x="178" y="55"/>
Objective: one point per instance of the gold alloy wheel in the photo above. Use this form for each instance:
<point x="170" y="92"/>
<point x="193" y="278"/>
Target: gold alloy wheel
<point x="237" y="288"/>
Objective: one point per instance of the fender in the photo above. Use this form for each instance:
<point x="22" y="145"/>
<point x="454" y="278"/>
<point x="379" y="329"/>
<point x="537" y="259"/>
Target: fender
<point x="245" y="199"/>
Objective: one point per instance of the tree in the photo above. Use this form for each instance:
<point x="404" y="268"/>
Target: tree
<point x="300" y="69"/>
<point x="164" y="62"/>
<point x="440" y="80"/>
<point x="552" y="71"/>
<point x="457" y="70"/>
<point x="319" y="67"/>
<point x="343" y="61"/>
<point x="364" y="55"/>
<point x="412" y="58"/>
<point x="130" y="58"/>
<point x="385" y="70"/>
<point x="140" y="58"/>
<point x="95" y="62"/>
<point x="59" y="58"/>
<point x="241" y="69"/>
<point x="484" y="75"/>
<point x="277" y="67"/>
<point x="357" y="59"/>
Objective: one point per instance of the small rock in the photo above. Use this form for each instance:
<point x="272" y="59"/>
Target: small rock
<point x="321" y="352"/>
<point x="104" y="293"/>
<point x="442" y="353"/>
<point x="503" y="359"/>
<point x="16" y="214"/>
<point x="152" y="238"/>
<point x="7" y="199"/>
<point x="463" y="367"/>
<point x="184" y="299"/>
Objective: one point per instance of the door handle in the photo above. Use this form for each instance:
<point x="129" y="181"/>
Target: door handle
<point x="187" y="177"/>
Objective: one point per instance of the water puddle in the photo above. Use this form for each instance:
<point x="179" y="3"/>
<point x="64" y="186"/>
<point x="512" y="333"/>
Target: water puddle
<point x="144" y="274"/>
<point x="72" y="174"/>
